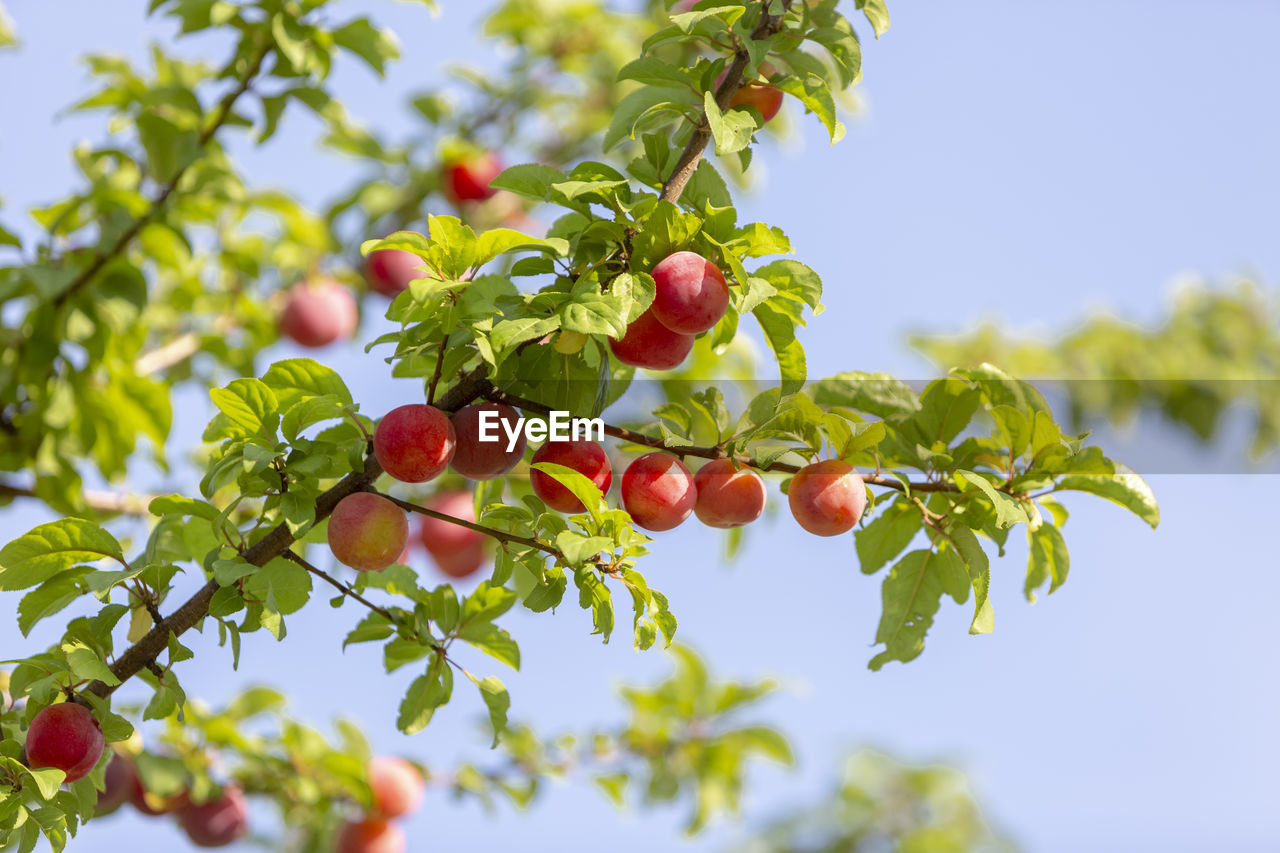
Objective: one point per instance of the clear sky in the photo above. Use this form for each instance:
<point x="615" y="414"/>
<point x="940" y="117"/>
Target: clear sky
<point x="1023" y="161"/>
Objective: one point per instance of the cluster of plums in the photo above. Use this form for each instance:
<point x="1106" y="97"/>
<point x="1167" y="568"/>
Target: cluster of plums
<point x="397" y="789"/>
<point x="415" y="443"/>
<point x="67" y="736"/>
<point x="320" y="310"/>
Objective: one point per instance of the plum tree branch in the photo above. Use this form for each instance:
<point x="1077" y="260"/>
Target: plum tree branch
<point x="110" y="503"/>
<point x="687" y="164"/>
<point x="499" y="396"/>
<point x="500" y="535"/>
<point x="105" y="256"/>
<point x="277" y="540"/>
<point x="288" y="554"/>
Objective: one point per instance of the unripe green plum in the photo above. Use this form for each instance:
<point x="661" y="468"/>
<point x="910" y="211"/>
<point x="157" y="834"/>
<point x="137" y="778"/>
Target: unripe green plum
<point x="658" y="491"/>
<point x="468" y="180"/>
<point x="397" y="786"/>
<point x="414" y="443"/>
<point x="318" y="312"/>
<point x="65" y="736"/>
<point x="389" y="271"/>
<point x="371" y="836"/>
<point x="651" y="345"/>
<point x="586" y="457"/>
<point x="569" y="343"/>
<point x="485" y="460"/>
<point x="691" y="293"/>
<point x="117" y="785"/>
<point x="217" y="823"/>
<point x="729" y="495"/>
<point x="367" y="532"/>
<point x="827" y="498"/>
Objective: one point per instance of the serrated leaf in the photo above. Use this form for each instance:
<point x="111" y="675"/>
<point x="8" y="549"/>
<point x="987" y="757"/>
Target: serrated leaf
<point x="1124" y="487"/>
<point x="50" y="548"/>
<point x="1047" y="560"/>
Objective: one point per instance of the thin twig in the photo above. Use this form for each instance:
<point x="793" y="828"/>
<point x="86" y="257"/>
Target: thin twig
<point x="501" y="535"/>
<point x="692" y="153"/>
<point x="339" y="585"/>
<point x="112" y="503"/>
<point x="682" y="450"/>
<point x="103" y="257"/>
<point x="272" y="545"/>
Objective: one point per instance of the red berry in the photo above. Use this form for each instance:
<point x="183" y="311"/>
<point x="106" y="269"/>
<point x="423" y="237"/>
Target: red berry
<point x="217" y="823"/>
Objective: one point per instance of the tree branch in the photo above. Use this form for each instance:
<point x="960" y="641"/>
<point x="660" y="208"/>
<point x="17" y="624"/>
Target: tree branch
<point x="111" y="503"/>
<point x="682" y="450"/>
<point x="272" y="545"/>
<point x="341" y="587"/>
<point x="105" y="256"/>
<point x="692" y="154"/>
<point x="500" y="535"/>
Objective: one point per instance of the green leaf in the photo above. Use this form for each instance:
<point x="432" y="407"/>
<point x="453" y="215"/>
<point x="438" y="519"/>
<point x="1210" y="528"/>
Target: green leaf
<point x="979" y="567"/>
<point x="54" y="547"/>
<point x="295" y="378"/>
<point x="886" y="535"/>
<point x="426" y="694"/>
<point x="877" y="14"/>
<point x="249" y="403"/>
<point x="1009" y="510"/>
<point x="48" y="780"/>
<point x="49" y="598"/>
<point x="1123" y="487"/>
<point x="779" y="331"/>
<point x="85" y="663"/>
<point x="582" y="488"/>
<point x="497" y="700"/>
<point x="1048" y="560"/>
<point x="369" y="43"/>
<point x="910" y="597"/>
<point x="499" y="241"/>
<point x="732" y="130"/>
<point x="579" y="548"/>
<point x="530" y="180"/>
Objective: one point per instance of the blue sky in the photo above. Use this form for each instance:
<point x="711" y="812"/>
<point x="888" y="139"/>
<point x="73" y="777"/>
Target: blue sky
<point x="1025" y="162"/>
